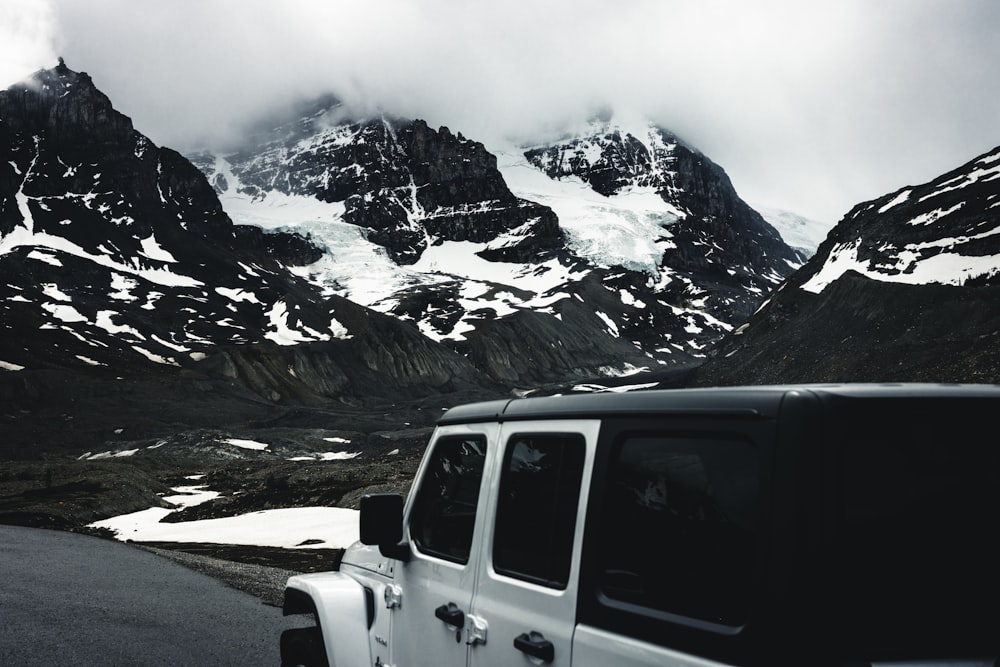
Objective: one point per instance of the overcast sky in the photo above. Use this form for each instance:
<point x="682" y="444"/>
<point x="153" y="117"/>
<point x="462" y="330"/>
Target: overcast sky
<point x="808" y="107"/>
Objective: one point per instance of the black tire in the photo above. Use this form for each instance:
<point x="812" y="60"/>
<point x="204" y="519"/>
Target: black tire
<point x="303" y="647"/>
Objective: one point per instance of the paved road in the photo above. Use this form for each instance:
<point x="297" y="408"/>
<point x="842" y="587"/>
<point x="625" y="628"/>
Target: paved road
<point x="68" y="599"/>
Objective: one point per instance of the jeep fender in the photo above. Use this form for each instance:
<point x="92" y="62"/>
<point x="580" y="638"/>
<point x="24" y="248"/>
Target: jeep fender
<point x="342" y="612"/>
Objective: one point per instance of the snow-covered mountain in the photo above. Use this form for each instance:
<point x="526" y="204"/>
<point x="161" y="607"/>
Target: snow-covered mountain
<point x="607" y="250"/>
<point x="905" y="287"/>
<point x="116" y="256"/>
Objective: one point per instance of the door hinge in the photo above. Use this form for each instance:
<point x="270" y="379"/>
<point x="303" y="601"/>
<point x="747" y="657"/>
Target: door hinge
<point x="393" y="596"/>
<point x="475" y="628"/>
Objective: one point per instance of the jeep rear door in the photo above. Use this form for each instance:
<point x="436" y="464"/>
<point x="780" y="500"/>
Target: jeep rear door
<point x="525" y="599"/>
<point x="673" y="555"/>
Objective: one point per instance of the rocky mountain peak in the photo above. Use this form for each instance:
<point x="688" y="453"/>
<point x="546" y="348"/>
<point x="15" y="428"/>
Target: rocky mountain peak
<point x="67" y="107"/>
<point x="710" y="235"/>
<point x="608" y="156"/>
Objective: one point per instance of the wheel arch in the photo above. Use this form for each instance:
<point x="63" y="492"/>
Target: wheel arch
<point x="342" y="608"/>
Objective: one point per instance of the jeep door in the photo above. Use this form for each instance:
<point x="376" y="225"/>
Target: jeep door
<point x="525" y="602"/>
<point x="443" y="528"/>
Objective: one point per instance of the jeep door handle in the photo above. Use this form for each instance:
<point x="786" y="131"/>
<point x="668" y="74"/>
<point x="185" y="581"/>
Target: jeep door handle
<point x="535" y="645"/>
<point x="451" y="614"/>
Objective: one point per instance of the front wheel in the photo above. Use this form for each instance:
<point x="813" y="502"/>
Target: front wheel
<point x="303" y="647"/>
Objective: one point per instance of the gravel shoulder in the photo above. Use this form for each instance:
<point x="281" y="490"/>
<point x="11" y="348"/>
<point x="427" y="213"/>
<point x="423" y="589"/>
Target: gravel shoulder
<point x="264" y="582"/>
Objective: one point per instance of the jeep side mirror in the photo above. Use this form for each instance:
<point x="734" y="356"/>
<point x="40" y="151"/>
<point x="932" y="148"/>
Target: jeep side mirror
<point x="382" y="524"/>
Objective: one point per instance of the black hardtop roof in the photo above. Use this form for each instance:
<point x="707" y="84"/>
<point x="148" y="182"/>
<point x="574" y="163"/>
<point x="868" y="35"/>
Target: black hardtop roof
<point x="751" y="401"/>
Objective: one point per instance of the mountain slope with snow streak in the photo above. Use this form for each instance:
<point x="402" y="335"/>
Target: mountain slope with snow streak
<point x="905" y="287"/>
<point x="112" y="246"/>
<point x="944" y="232"/>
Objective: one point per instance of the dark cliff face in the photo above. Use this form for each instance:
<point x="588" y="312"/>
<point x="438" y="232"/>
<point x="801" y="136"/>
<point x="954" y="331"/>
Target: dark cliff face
<point x="108" y="233"/>
<point x="401" y="181"/>
<point x="904" y="288"/>
<point x="68" y="109"/>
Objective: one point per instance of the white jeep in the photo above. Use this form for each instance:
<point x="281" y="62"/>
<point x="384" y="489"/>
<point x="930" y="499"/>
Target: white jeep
<point x="799" y="525"/>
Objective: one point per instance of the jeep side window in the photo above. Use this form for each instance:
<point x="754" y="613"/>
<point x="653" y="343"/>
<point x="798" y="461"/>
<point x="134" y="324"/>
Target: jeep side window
<point x="678" y="527"/>
<point x="536" y="508"/>
<point x="444" y="513"/>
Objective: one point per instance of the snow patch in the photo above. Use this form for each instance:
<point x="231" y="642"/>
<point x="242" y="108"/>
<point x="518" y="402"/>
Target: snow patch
<point x="155" y="358"/>
<point x="612" y="327"/>
<point x="246" y="444"/>
<point x="283" y="334"/>
<point x="153" y="250"/>
<point x="934" y="216"/>
<point x="26" y="237"/>
<point x="108" y="455"/>
<point x="65" y="313"/>
<point x="237" y="295"/>
<point x="105" y="322"/>
<point x="896" y="201"/>
<point x="328" y="456"/>
<point x="599" y="388"/>
<point x="44" y="257"/>
<point x="322" y="527"/>
<point x="122" y="287"/>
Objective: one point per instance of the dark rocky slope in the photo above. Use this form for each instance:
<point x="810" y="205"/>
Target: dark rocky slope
<point x="858" y="330"/>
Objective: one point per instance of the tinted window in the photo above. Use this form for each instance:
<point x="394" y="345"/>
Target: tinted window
<point x="678" y="526"/>
<point x="444" y="511"/>
<point x="915" y="567"/>
<point x="536" y="508"/>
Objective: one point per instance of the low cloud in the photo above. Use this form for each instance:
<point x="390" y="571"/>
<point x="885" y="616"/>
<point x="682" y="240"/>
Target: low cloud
<point x="26" y="38"/>
<point x="810" y="107"/>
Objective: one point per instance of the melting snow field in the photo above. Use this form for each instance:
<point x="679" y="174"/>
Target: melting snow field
<point x="627" y="230"/>
<point x="322" y="527"/>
